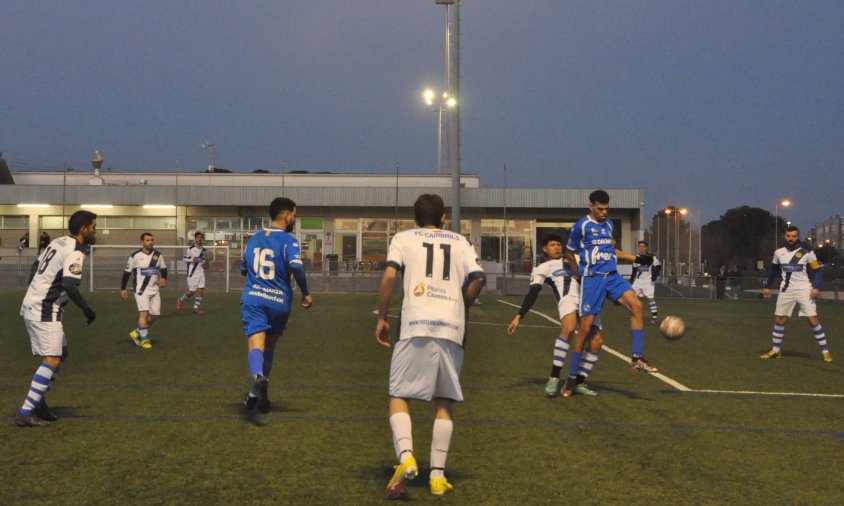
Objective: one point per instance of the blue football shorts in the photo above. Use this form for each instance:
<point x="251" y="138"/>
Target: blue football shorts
<point x="263" y="319"/>
<point x="597" y="287"/>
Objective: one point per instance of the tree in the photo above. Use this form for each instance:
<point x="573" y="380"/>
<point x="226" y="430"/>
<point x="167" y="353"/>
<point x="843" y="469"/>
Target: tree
<point x="741" y="237"/>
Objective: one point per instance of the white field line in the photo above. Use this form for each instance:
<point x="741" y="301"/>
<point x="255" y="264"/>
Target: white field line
<point x="676" y="384"/>
<point x="683" y="388"/>
<point x="788" y="394"/>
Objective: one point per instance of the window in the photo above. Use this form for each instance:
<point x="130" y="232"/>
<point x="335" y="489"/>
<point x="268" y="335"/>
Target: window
<point x="53" y="222"/>
<point x="517" y="249"/>
<point x="14" y="222"/>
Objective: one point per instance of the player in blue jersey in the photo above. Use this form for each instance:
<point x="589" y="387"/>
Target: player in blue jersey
<point x="591" y="252"/>
<point x="270" y="258"/>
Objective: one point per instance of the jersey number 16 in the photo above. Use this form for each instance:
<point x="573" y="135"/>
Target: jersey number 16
<point x="263" y="264"/>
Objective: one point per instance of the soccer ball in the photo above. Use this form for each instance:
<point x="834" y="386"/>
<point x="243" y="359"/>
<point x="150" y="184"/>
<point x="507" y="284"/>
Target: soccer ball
<point x="672" y="328"/>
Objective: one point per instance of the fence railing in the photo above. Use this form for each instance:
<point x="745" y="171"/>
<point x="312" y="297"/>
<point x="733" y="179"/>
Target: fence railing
<point x="104" y="268"/>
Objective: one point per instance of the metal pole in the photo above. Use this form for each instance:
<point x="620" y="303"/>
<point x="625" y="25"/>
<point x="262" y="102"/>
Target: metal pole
<point x="690" y="249"/>
<point x="658" y="252"/>
<point x="506" y="236"/>
<point x="776" y="225"/>
<point x="678" y="270"/>
<point x="455" y="133"/>
<point x="64" y="188"/>
<point x="667" y="244"/>
<point x="440" y="138"/>
<point x="396" y="224"/>
<point x="699" y="245"/>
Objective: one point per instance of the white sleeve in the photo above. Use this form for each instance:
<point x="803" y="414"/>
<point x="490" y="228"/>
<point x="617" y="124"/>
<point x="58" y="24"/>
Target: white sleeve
<point x="72" y="267"/>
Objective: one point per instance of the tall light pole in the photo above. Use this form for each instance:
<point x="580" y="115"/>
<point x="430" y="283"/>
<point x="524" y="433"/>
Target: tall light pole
<point x="680" y="213"/>
<point x="441" y="102"/>
<point x="668" y="211"/>
<point x="784" y="203"/>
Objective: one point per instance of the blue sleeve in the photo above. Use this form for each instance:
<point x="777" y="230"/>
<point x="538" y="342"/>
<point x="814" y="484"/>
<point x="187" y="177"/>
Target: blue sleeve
<point x="818" y="279"/>
<point x="574" y="237"/>
<point x="775" y="270"/>
<point x="301" y="278"/>
<point x="244" y="267"/>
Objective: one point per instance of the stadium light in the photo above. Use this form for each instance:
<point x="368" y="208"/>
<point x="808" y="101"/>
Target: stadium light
<point x="784" y="203"/>
<point x="159" y="206"/>
<point x="33" y="205"/>
<point x="96" y="206"/>
<point x="440" y="103"/>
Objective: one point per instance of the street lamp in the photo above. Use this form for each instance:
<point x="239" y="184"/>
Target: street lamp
<point x="668" y="212"/>
<point x="677" y="218"/>
<point x="784" y="203"/>
<point x="440" y="103"/>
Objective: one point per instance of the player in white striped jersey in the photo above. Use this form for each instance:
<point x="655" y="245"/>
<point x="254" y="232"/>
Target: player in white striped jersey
<point x="56" y="281"/>
<point x="793" y="262"/>
<point x="644" y="278"/>
<point x="148" y="270"/>
<point x="196" y="260"/>
<point x="442" y="277"/>
<point x="556" y="273"/>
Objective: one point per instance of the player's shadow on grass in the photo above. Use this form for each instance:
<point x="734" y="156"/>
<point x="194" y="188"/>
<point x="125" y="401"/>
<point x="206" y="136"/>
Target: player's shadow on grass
<point x="612" y="388"/>
<point x="254" y="417"/>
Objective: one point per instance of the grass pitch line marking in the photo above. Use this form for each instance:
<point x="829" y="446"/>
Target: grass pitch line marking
<point x="375" y="312"/>
<point x="785" y="394"/>
<point x="665" y="379"/>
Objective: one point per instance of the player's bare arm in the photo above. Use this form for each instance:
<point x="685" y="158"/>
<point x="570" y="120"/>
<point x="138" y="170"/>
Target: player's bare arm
<point x="477" y="280"/>
<point x="385" y="293"/>
<point x="571" y="259"/>
<point x="307" y="301"/>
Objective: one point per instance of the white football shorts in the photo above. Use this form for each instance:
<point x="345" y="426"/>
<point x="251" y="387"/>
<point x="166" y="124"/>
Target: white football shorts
<point x="46" y="338"/>
<point x="643" y="288"/>
<point x="571" y="301"/>
<point x="426" y="368"/>
<point x="787" y="300"/>
<point x="196" y="281"/>
<point x="150" y="302"/>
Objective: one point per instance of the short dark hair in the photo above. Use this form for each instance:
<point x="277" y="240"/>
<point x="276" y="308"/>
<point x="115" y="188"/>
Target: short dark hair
<point x="642" y="242"/>
<point x="428" y="209"/>
<point x="792" y="228"/>
<point x="599" y="197"/>
<point x="198" y="233"/>
<point x="280" y="204"/>
<point x="145" y="234"/>
<point x="551" y="237"/>
<point x="78" y="220"/>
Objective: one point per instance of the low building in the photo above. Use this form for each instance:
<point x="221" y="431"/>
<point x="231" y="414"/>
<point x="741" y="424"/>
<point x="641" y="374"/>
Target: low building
<point x="352" y="216"/>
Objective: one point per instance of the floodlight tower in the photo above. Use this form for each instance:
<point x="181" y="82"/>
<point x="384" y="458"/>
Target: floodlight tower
<point x="453" y="115"/>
